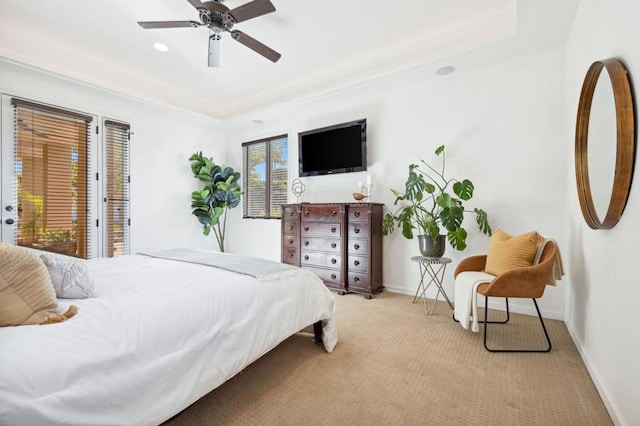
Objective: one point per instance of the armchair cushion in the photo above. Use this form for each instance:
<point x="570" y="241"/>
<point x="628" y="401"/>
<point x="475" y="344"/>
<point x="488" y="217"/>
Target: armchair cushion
<point x="507" y="252"/>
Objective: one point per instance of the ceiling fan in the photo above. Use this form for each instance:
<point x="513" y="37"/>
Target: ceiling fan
<point x="218" y="18"/>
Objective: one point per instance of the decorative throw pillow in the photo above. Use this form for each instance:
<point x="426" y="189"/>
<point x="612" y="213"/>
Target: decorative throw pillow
<point x="26" y="291"/>
<point x="507" y="252"/>
<point x="70" y="276"/>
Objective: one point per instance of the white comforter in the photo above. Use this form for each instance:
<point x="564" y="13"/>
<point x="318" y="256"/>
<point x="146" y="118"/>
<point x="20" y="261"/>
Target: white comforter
<point x="160" y="335"/>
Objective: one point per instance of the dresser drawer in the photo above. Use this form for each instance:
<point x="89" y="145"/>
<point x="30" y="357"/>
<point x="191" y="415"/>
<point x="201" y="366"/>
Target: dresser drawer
<point x="290" y="226"/>
<point x="359" y="247"/>
<point x="323" y="213"/>
<point x="290" y="212"/>
<point x="291" y="255"/>
<point x="358" y="214"/>
<point x="320" y="229"/>
<point x="322" y="244"/>
<point x="358" y="280"/>
<point x="357" y="264"/>
<point x="327" y="275"/>
<point x="290" y="240"/>
<point x="358" y="230"/>
<point x="327" y="260"/>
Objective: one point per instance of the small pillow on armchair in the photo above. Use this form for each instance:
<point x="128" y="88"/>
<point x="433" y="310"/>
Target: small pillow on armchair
<point x="507" y="252"/>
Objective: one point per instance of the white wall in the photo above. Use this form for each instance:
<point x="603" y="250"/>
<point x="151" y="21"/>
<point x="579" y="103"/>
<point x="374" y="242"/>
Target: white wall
<point x="162" y="142"/>
<point x="503" y="127"/>
<point x="602" y="313"/>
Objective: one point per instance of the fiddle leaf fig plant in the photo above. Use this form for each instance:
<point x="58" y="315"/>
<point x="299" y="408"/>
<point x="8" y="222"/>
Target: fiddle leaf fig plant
<point x="433" y="204"/>
<point x="221" y="191"/>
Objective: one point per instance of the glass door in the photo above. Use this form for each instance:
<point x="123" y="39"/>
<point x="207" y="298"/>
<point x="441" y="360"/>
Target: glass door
<point x="8" y="199"/>
<point x="45" y="178"/>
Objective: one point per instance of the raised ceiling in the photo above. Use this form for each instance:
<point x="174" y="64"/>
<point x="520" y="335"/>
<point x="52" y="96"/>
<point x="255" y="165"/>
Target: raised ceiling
<point x="325" y="45"/>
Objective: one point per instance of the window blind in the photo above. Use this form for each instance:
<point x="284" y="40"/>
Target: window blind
<point x="265" y="177"/>
<point x="52" y="154"/>
<point x="116" y="200"/>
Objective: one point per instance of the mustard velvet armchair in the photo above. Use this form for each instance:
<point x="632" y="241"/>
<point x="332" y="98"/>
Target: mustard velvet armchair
<point x="525" y="282"/>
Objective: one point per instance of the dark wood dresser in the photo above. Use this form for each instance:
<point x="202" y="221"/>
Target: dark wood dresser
<point x="340" y="242"/>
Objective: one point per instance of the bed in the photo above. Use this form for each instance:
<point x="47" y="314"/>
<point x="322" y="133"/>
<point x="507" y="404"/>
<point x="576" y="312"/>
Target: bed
<point x="163" y="331"/>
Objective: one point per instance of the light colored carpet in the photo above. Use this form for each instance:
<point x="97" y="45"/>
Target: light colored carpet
<point x="396" y="365"/>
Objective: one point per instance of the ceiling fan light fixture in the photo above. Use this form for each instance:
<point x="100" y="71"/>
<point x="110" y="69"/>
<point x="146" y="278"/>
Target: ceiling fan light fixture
<point x="160" y="47"/>
<point x="215" y="47"/>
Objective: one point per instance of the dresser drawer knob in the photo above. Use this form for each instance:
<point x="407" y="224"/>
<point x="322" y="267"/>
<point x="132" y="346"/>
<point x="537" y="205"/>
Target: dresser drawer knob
<point x="356" y="246"/>
<point x="334" y="229"/>
<point x="356" y="230"/>
<point x="291" y="227"/>
<point x="356" y="279"/>
<point x="306" y="257"/>
<point x="290" y="213"/>
<point x="306" y="228"/>
<point x="334" y="261"/>
<point x="334" y="245"/>
<point x="290" y="240"/>
<point x="334" y="276"/>
<point x="306" y="213"/>
<point x="357" y="263"/>
<point x="291" y="255"/>
<point x="306" y="243"/>
<point x="334" y="213"/>
<point x="356" y="213"/>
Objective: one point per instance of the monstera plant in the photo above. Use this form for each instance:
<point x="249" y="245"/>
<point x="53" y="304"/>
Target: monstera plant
<point x="221" y="191"/>
<point x="433" y="204"/>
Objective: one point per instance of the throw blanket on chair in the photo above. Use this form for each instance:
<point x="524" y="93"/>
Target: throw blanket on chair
<point x="466" y="298"/>
<point x="466" y="295"/>
<point x="558" y="270"/>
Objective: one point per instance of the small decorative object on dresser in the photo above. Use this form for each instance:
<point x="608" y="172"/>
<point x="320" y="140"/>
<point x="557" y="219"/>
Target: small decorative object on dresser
<point x="340" y="242"/>
<point x="298" y="188"/>
<point x="359" y="196"/>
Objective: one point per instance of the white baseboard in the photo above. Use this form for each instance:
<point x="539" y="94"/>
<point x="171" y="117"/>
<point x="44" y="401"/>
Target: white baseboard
<point x="493" y="304"/>
<point x="609" y="403"/>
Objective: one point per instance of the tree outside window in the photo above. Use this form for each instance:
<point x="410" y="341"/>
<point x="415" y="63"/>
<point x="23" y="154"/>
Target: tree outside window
<point x="265" y="164"/>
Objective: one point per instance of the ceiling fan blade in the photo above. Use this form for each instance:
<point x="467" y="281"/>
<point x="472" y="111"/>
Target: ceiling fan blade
<point x="251" y="10"/>
<point x="215" y="45"/>
<point x="255" y="45"/>
<point x="148" y="25"/>
<point x="196" y="3"/>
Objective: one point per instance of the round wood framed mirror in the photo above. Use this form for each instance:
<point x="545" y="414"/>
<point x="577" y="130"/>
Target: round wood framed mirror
<point x="619" y="111"/>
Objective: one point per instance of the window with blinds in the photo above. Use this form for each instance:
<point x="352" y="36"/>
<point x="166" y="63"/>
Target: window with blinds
<point x="52" y="153"/>
<point x="116" y="182"/>
<point x="265" y="177"/>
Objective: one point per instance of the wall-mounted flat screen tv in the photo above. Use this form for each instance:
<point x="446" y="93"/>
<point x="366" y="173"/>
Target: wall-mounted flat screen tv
<point x="341" y="148"/>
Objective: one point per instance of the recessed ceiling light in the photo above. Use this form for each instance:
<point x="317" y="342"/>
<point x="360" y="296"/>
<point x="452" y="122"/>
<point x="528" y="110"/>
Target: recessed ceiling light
<point x="160" y="47"/>
<point x="445" y="70"/>
<point x="257" y="121"/>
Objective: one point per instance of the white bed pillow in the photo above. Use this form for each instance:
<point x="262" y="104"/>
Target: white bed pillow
<point x="70" y="276"/>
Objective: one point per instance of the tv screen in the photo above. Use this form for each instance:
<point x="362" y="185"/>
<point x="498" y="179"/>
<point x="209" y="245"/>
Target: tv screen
<point x="341" y="148"/>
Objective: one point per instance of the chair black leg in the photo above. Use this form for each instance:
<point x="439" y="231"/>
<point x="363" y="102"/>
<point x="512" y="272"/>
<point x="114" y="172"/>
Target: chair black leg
<point x="544" y="328"/>
<point x="486" y="309"/>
